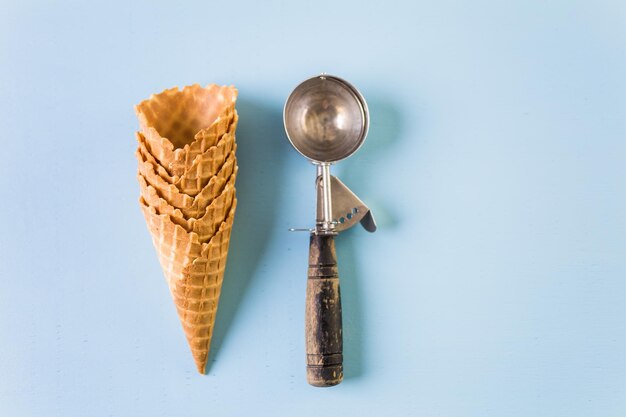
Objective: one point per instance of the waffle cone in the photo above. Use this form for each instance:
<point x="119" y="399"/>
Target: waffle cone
<point x="189" y="206"/>
<point x="204" y="140"/>
<point x="194" y="178"/>
<point x="179" y="125"/>
<point x="187" y="173"/>
<point x="204" y="226"/>
<point x="190" y="175"/>
<point x="194" y="271"/>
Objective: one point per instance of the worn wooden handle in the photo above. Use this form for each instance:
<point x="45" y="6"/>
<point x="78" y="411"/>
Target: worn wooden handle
<point x="324" y="338"/>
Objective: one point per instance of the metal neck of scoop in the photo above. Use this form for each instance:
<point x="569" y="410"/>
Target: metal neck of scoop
<point x="325" y="223"/>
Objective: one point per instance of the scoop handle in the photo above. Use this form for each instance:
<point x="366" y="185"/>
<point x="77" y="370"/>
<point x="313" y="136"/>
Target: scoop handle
<point x="324" y="333"/>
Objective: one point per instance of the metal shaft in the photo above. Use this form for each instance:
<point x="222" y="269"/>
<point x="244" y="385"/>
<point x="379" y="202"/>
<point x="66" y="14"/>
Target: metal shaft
<point x="323" y="170"/>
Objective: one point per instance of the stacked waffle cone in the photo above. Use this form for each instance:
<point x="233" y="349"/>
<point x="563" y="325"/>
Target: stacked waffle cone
<point x="187" y="172"/>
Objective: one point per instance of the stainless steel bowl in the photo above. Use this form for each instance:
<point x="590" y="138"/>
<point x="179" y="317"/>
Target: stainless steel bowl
<point x="326" y="119"/>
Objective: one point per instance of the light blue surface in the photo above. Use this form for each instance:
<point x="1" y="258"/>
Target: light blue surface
<point x="495" y="164"/>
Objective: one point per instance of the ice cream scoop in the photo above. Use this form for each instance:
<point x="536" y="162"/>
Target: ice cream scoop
<point x="326" y="120"/>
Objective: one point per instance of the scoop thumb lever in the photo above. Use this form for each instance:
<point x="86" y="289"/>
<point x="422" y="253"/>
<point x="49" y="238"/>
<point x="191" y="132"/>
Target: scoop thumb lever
<point x="347" y="208"/>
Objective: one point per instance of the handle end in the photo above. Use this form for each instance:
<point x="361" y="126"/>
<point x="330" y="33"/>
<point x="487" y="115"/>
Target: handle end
<point x="324" y="375"/>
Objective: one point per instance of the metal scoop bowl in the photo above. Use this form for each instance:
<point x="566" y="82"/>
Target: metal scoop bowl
<point x="326" y="120"/>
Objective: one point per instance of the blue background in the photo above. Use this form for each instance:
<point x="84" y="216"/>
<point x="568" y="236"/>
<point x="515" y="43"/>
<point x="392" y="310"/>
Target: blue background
<point x="495" y="165"/>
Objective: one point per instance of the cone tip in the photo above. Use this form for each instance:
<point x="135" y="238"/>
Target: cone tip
<point x="201" y="366"/>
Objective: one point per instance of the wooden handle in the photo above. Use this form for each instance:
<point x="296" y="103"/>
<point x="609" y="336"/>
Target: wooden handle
<point x="324" y="339"/>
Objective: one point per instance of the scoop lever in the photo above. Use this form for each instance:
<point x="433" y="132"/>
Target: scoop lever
<point x="347" y="209"/>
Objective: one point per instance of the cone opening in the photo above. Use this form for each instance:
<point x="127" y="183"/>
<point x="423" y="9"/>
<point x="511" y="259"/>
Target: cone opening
<point x="179" y="114"/>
